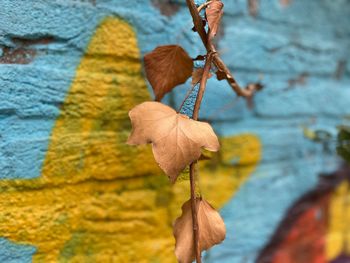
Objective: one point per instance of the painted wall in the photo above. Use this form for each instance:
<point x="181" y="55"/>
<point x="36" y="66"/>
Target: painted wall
<point x="72" y="191"/>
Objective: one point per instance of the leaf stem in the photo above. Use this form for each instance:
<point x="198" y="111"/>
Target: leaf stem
<point x="202" y="86"/>
<point x="194" y="213"/>
<point x="195" y="114"/>
<point x="197" y="20"/>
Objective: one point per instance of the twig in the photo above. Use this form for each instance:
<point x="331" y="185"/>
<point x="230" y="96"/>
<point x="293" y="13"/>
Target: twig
<point x="199" y="26"/>
<point x="247" y="92"/>
<point x="202" y="86"/>
<point x="195" y="114"/>
<point x="197" y="21"/>
<point x="194" y="213"/>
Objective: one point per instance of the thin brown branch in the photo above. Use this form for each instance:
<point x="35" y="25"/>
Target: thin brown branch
<point x="247" y="92"/>
<point x="199" y="26"/>
<point x="197" y="21"/>
<point x="202" y="86"/>
<point x="196" y="108"/>
<point x="194" y="213"/>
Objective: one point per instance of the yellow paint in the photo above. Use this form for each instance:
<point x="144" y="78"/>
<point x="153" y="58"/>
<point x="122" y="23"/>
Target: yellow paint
<point x="99" y="200"/>
<point x="338" y="237"/>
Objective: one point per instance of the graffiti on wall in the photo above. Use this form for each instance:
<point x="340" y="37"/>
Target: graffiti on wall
<point x="315" y="228"/>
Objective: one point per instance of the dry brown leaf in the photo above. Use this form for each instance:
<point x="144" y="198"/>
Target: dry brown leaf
<point x="220" y="75"/>
<point x="167" y="67"/>
<point x="176" y="139"/>
<point x="214" y="12"/>
<point x="197" y="76"/>
<point x="211" y="227"/>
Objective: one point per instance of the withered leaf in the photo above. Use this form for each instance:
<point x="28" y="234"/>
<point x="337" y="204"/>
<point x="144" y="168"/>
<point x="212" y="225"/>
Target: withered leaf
<point x="220" y="75"/>
<point x="197" y="76"/>
<point x="167" y="67"/>
<point x="199" y="57"/>
<point x="176" y="139"/>
<point x="214" y="12"/>
<point x="211" y="227"/>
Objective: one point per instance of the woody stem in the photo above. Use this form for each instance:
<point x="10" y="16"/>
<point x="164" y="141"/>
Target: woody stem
<point x="194" y="213"/>
<point x="202" y="86"/>
<point x="199" y="98"/>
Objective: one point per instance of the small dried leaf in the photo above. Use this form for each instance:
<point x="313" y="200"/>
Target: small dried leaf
<point x="197" y="76"/>
<point x="214" y="13"/>
<point x="211" y="227"/>
<point x="199" y="57"/>
<point x="176" y="139"/>
<point x="167" y="67"/>
<point x="220" y="75"/>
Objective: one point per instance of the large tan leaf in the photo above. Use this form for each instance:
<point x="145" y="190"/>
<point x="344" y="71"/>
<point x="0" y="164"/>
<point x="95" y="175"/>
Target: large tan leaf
<point x="167" y="67"/>
<point x="176" y="139"/>
<point x="214" y="13"/>
<point x="211" y="227"/>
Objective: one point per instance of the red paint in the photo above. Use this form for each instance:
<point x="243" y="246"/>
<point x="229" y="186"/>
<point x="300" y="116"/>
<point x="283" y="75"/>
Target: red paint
<point x="305" y="242"/>
<point x="17" y="56"/>
<point x="300" y="237"/>
<point x="23" y="52"/>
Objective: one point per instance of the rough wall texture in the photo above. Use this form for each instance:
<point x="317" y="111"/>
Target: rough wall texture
<point x="72" y="191"/>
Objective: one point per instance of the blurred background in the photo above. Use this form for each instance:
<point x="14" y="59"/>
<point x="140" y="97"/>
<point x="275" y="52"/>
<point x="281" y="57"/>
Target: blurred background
<point x="72" y="191"/>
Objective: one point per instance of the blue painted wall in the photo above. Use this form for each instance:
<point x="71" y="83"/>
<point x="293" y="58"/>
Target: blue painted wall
<point x="12" y="253"/>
